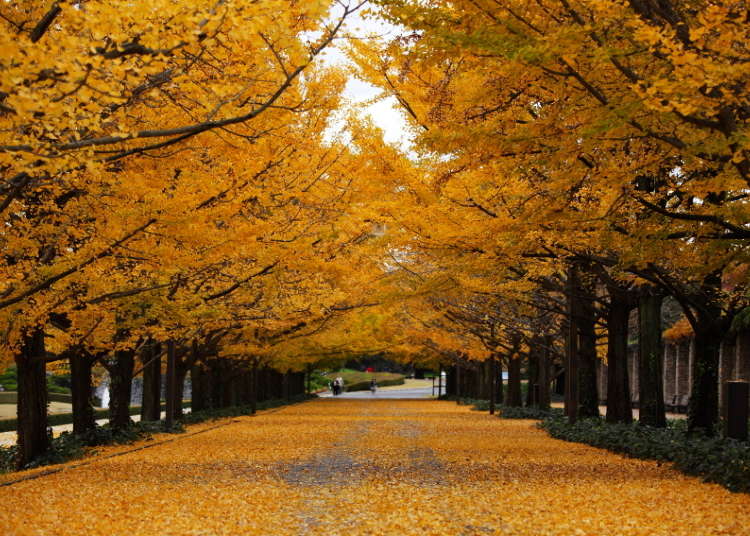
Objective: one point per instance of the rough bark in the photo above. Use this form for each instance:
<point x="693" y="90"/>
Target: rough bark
<point x="513" y="396"/>
<point x="650" y="352"/>
<point x="81" y="363"/>
<point x="120" y="388"/>
<point x="227" y="383"/>
<point x="33" y="439"/>
<point x="151" y="403"/>
<point x="493" y="384"/>
<point x="619" y="408"/>
<point x="459" y="390"/>
<point x="588" y="395"/>
<point x="500" y="386"/>
<point x="285" y="387"/>
<point x="544" y="374"/>
<point x="198" y="380"/>
<point x="179" y="392"/>
<point x="214" y="382"/>
<point x="254" y="388"/>
<point x="571" y="345"/>
<point x="171" y="387"/>
<point x="703" y="406"/>
<point x="533" y="373"/>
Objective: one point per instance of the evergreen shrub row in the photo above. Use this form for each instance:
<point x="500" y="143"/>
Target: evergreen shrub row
<point x="509" y="412"/>
<point x="68" y="447"/>
<point x="715" y="459"/>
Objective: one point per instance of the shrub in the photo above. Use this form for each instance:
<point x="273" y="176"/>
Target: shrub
<point x="10" y="425"/>
<point x="68" y="447"/>
<point x="716" y="459"/>
<point x="507" y="412"/>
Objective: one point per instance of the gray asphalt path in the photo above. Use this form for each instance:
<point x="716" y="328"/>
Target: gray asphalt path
<point x="419" y="392"/>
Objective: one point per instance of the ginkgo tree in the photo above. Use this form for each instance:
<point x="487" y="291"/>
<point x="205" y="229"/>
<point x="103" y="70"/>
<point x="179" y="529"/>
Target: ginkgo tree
<point x="597" y="133"/>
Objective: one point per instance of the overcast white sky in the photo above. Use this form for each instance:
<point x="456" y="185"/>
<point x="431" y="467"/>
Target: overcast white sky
<point x="385" y="113"/>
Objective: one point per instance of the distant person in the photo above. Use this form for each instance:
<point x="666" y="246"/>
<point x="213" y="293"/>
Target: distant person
<point x="335" y="388"/>
<point x="373" y="386"/>
<point x="340" y="380"/>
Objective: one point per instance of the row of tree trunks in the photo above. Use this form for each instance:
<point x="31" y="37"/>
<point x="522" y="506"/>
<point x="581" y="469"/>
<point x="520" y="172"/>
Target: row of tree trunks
<point x="220" y="384"/>
<point x="703" y="308"/>
<point x="466" y="379"/>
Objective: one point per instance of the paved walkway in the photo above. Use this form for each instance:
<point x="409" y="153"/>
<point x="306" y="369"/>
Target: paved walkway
<point x="369" y="467"/>
<point x="410" y="389"/>
<point x="419" y="392"/>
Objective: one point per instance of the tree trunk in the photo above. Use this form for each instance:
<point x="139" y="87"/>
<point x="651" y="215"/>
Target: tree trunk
<point x="588" y="393"/>
<point x="493" y="384"/>
<point x="254" y="386"/>
<point x="287" y="395"/>
<point x="543" y="374"/>
<point x="500" y="387"/>
<point x="226" y="384"/>
<point x="151" y="403"/>
<point x="513" y="396"/>
<point x="246" y="388"/>
<point x="459" y="379"/>
<point x="703" y="406"/>
<point x="571" y="346"/>
<point x="81" y="364"/>
<point x="532" y="374"/>
<point x="198" y="380"/>
<point x="179" y="391"/>
<point x="120" y="388"/>
<point x="33" y="439"/>
<point x="215" y="372"/>
<point x="619" y="408"/>
<point x="308" y="380"/>
<point x="650" y="352"/>
<point x="171" y="390"/>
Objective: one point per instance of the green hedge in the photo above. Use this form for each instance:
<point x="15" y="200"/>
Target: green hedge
<point x="508" y="412"/>
<point x="715" y="459"/>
